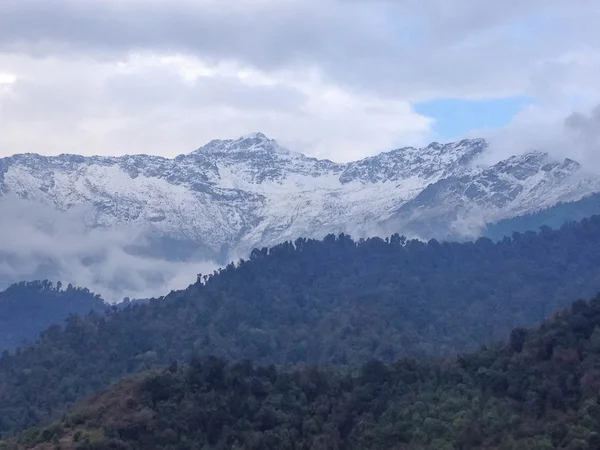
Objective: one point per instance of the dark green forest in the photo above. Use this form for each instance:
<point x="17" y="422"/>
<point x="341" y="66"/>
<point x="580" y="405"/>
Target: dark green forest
<point x="538" y="391"/>
<point x="553" y="217"/>
<point x="335" y="302"/>
<point x="28" y="308"/>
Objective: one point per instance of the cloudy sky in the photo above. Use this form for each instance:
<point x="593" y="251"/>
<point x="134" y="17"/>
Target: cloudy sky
<point x="340" y="79"/>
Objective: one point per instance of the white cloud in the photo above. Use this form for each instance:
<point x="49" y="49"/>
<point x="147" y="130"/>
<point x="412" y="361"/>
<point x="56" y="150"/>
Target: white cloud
<point x="7" y="78"/>
<point x="173" y="105"/>
<point x="334" y="78"/>
<point x="39" y="242"/>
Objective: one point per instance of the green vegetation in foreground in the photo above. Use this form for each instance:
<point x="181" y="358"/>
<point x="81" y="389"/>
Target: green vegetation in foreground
<point x="540" y="391"/>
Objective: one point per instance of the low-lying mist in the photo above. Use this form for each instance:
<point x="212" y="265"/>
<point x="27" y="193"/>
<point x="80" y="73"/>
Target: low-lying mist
<point x="39" y="242"/>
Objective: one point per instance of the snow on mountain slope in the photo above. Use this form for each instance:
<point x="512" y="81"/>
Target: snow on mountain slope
<point x="459" y="205"/>
<point x="231" y="196"/>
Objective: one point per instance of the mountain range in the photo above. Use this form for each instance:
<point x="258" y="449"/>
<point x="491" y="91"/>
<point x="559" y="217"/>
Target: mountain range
<point x="231" y="196"/>
<point x="139" y="226"/>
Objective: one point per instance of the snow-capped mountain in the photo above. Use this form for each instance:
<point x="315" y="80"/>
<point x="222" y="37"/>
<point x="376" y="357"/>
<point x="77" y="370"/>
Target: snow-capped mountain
<point x="231" y="196"/>
<point x="458" y="206"/>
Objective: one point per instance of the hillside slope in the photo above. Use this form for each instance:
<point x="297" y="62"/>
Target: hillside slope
<point x="335" y="302"/>
<point x="26" y="309"/>
<point x="553" y="217"/>
<point x="538" y="392"/>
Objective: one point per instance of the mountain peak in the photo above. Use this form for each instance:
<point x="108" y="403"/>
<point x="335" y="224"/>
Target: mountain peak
<point x="253" y="142"/>
<point x="256" y="135"/>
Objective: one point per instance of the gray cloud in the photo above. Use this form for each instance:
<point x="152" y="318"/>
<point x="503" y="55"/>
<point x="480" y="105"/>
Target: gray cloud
<point x="167" y="88"/>
<point x="265" y="33"/>
<point x="586" y="126"/>
<point x="415" y="49"/>
<point x="585" y="132"/>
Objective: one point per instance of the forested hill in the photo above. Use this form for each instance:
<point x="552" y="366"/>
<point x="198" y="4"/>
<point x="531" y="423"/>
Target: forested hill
<point x="553" y="217"/>
<point x="335" y="302"/>
<point x="28" y="308"/>
<point x="539" y="391"/>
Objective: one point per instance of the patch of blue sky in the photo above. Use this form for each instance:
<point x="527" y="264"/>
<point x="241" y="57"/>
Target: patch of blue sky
<point x="455" y="118"/>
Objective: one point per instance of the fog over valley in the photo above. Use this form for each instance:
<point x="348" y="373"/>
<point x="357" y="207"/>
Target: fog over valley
<point x="39" y="242"/>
